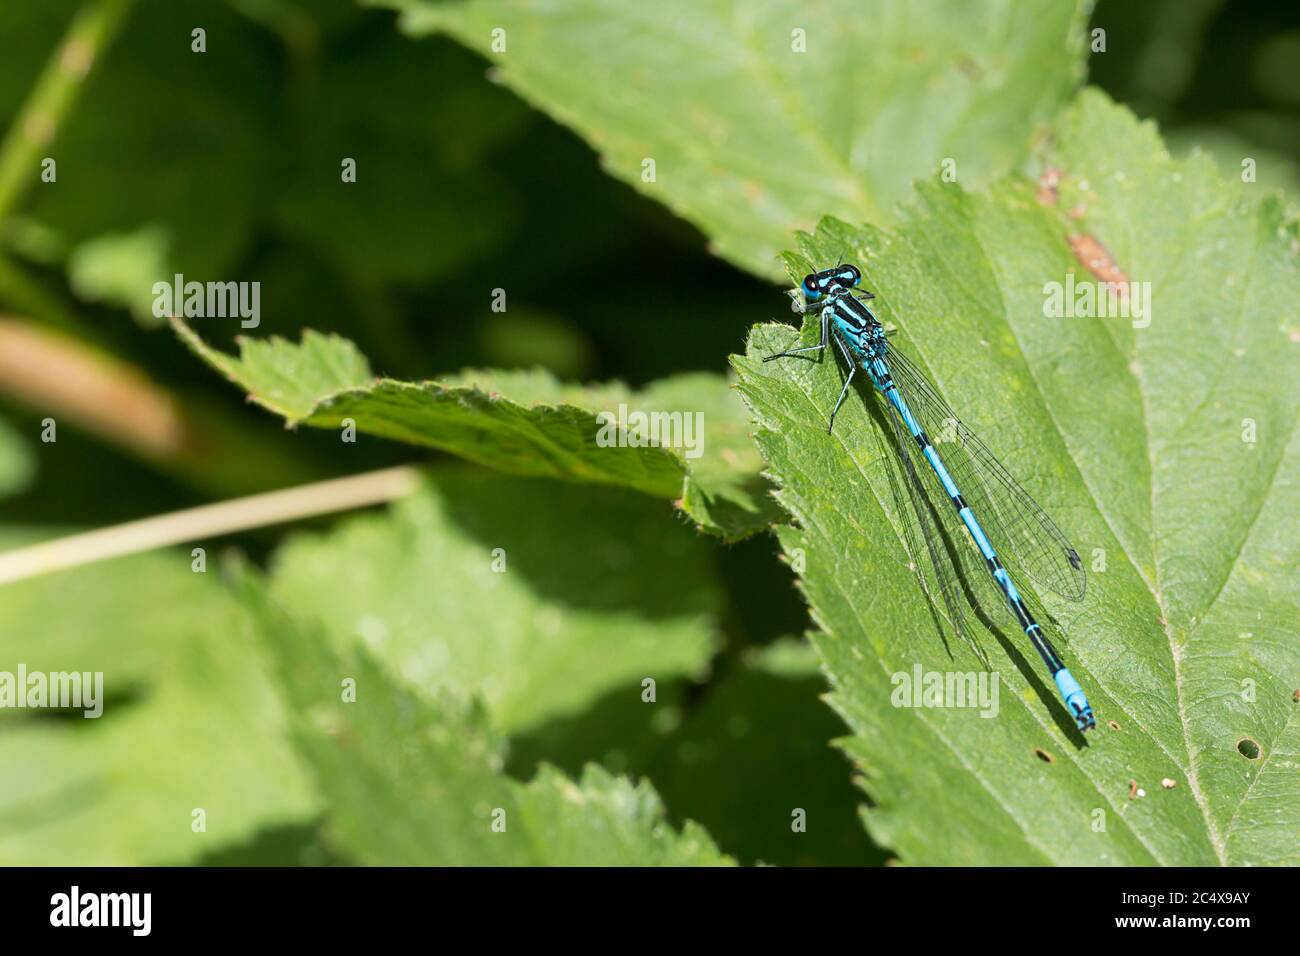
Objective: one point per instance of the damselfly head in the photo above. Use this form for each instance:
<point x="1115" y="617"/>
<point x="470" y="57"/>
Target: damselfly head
<point x="817" y="284"/>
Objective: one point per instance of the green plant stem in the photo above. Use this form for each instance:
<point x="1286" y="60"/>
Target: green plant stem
<point x="35" y="126"/>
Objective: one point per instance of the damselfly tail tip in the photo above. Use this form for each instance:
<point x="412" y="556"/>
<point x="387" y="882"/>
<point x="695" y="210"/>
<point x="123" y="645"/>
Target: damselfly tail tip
<point x="1075" y="700"/>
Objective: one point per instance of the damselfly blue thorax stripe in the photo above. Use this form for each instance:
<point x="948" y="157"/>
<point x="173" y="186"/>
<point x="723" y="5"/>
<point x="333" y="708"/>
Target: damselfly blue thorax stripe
<point x="963" y="491"/>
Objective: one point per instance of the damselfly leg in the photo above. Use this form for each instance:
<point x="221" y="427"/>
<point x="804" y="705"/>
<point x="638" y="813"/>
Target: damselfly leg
<point x="806" y="348"/>
<point x="853" y="368"/>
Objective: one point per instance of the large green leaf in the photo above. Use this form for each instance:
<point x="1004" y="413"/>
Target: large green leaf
<point x="524" y="423"/>
<point x="884" y="93"/>
<point x="748" y="756"/>
<point x="1138" y="441"/>
<point x="416" y="779"/>
<point x="189" y="721"/>
<point x="535" y="595"/>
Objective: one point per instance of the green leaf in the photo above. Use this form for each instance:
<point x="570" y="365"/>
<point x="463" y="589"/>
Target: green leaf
<point x="189" y="721"/>
<point x="416" y="780"/>
<point x="525" y="423"/>
<point x="748" y="756"/>
<point x="884" y="94"/>
<point x="121" y="270"/>
<point x="17" y="463"/>
<point x="536" y="596"/>
<point x="1138" y="441"/>
<point x="284" y="378"/>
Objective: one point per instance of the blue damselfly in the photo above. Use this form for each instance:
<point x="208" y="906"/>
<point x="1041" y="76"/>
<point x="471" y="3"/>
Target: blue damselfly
<point x="963" y="491"/>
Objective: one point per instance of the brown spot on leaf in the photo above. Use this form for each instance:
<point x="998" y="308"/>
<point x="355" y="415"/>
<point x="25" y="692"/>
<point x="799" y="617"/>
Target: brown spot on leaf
<point x="969" y="67"/>
<point x="1096" y="258"/>
<point x="1047" y="186"/>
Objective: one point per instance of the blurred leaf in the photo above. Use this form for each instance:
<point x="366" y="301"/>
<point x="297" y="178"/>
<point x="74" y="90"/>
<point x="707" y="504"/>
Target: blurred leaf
<point x="32" y="240"/>
<point x="293" y="845"/>
<point x="1155" y="48"/>
<point x="740" y="756"/>
<point x="189" y="721"/>
<point x="121" y="270"/>
<point x="301" y="25"/>
<point x="884" y="94"/>
<point x="236" y="138"/>
<point x="391" y="227"/>
<point x="1273" y="171"/>
<point x="535" y="596"/>
<point x="788" y="658"/>
<point x="523" y="338"/>
<point x="417" y="121"/>
<point x="524" y="423"/>
<point x="1138" y="450"/>
<point x="28" y="32"/>
<point x="187" y="158"/>
<point x="1273" y="68"/>
<point x="416" y="780"/>
<point x="17" y="464"/>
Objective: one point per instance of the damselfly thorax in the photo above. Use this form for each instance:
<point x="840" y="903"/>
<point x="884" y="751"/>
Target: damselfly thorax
<point x="859" y="326"/>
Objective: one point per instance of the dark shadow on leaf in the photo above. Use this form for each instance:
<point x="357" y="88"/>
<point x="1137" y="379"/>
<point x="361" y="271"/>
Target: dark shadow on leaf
<point x="585" y="546"/>
<point x="740" y="759"/>
<point x="296" y="844"/>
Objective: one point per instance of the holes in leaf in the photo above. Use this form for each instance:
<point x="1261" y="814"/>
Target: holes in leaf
<point x="1113" y="725"/>
<point x="1248" y="748"/>
<point x="1043" y="755"/>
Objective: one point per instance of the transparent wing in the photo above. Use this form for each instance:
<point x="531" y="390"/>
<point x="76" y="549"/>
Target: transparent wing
<point x="946" y="579"/>
<point x="1021" y="532"/>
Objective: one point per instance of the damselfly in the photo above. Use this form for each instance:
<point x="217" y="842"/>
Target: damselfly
<point x="963" y="491"/>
